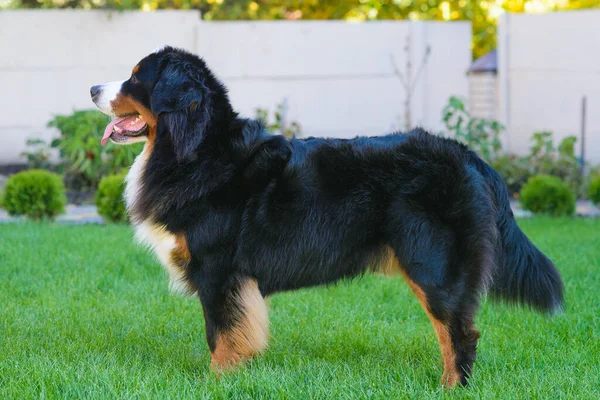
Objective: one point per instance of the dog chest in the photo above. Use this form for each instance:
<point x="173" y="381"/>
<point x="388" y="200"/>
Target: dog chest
<point x="155" y="236"/>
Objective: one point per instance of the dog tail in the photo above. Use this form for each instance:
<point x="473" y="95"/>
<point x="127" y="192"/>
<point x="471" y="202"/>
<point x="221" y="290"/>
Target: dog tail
<point x="524" y="275"/>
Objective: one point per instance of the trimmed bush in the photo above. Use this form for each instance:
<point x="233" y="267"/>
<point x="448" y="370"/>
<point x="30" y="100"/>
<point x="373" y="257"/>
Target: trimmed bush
<point x="37" y="194"/>
<point x="109" y="198"/>
<point x="594" y="190"/>
<point x="545" y="194"/>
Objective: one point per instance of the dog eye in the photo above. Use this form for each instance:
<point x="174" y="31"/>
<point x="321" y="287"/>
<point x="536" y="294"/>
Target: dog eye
<point x="134" y="79"/>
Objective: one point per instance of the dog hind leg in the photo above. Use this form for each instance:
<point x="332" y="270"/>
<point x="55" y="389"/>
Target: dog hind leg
<point x="237" y="324"/>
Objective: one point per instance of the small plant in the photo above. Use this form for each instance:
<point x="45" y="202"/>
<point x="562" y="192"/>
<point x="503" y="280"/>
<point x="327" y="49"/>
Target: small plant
<point x="37" y="194"/>
<point x="84" y="161"/>
<point x="481" y="135"/>
<point x="594" y="190"/>
<point x="544" y="159"/>
<point x="514" y="170"/>
<point x="38" y="155"/>
<point x="109" y="198"/>
<point x="558" y="161"/>
<point x="280" y="126"/>
<point x="545" y="194"/>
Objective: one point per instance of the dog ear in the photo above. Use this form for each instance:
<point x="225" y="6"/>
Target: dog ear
<point x="180" y="100"/>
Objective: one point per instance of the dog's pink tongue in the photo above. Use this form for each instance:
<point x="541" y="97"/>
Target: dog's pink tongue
<point x="108" y="131"/>
<point x="132" y="124"/>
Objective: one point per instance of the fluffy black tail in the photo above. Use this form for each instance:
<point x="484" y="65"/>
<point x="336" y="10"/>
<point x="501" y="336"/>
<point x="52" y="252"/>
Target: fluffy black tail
<point x="524" y="274"/>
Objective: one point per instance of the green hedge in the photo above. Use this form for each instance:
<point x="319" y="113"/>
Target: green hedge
<point x="37" y="194"/>
<point x="545" y="194"/>
<point x="109" y="198"/>
<point x="594" y="190"/>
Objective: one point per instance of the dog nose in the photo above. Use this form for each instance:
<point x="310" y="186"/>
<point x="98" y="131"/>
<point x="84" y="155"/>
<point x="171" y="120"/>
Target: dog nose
<point x="95" y="90"/>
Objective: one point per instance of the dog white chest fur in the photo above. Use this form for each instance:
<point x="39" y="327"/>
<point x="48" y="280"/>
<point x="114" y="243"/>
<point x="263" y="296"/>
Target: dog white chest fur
<point x="149" y="233"/>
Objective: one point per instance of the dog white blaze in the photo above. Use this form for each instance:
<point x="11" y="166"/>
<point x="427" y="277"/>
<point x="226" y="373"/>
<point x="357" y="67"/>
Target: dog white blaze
<point x="108" y="93"/>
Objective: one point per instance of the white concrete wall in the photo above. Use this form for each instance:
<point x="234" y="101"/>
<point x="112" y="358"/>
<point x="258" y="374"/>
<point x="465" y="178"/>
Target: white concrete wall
<point x="50" y="58"/>
<point x="547" y="63"/>
<point x="337" y="76"/>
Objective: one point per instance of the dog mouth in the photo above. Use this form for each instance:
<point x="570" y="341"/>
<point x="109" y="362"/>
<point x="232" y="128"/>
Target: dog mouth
<point x="124" y="129"/>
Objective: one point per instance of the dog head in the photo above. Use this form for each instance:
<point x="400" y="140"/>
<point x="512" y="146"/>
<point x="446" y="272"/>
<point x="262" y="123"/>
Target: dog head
<point x="167" y="98"/>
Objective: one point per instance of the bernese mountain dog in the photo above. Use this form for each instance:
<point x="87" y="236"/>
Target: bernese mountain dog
<point x="236" y="214"/>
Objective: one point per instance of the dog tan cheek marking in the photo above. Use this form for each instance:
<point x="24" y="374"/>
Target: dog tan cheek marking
<point x="150" y="142"/>
<point x="250" y="333"/>
<point x="122" y="105"/>
<point x="146" y="114"/>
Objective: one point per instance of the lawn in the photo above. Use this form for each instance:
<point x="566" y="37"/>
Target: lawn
<point x="86" y="314"/>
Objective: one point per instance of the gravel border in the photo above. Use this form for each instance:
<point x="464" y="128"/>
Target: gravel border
<point x="87" y="214"/>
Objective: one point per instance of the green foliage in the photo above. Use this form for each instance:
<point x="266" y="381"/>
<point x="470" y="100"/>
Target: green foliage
<point x="545" y="194"/>
<point x="560" y="161"/>
<point x="84" y="160"/>
<point x="594" y="190"/>
<point x="109" y="198"/>
<point x="280" y="125"/>
<point x="481" y="135"/>
<point x="37" y="194"/>
<point x="514" y="170"/>
<point x="38" y="155"/>
<point x="544" y="159"/>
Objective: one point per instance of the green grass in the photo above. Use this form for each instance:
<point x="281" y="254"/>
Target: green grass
<point x="86" y="314"/>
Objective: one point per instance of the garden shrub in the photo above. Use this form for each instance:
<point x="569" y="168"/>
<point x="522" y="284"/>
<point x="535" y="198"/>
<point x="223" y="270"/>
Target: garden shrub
<point x="479" y="134"/>
<point x="545" y="194"/>
<point x="594" y="190"/>
<point x="109" y="198"/>
<point x="83" y="160"/>
<point x="514" y="170"/>
<point x="544" y="159"/>
<point x="35" y="193"/>
<point x="559" y="161"/>
<point x="280" y="124"/>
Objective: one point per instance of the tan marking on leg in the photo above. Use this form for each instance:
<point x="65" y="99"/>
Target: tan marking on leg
<point x="176" y="262"/>
<point x="181" y="254"/>
<point x="387" y="263"/>
<point x="451" y="376"/>
<point x="249" y="335"/>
